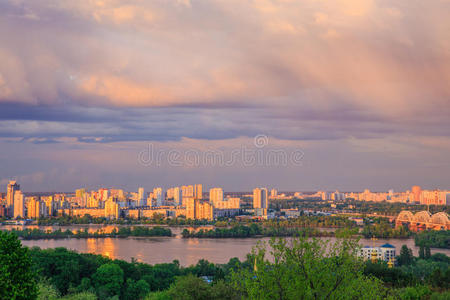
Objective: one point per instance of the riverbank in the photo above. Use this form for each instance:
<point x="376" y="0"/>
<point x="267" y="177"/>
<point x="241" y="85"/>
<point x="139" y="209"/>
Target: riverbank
<point x="122" y="232"/>
<point x="255" y="230"/>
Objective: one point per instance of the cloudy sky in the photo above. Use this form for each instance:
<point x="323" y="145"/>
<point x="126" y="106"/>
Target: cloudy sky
<point x="360" y="87"/>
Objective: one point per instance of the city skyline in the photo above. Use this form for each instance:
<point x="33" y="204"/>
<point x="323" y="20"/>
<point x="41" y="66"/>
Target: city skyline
<point x="190" y="202"/>
<point x="359" y="87"/>
<point x="271" y="187"/>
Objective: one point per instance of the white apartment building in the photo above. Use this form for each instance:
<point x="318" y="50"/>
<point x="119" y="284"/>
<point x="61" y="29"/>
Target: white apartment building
<point x="384" y="252"/>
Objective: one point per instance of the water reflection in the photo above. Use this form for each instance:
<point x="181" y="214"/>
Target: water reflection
<point x="154" y="250"/>
<point x="103" y="246"/>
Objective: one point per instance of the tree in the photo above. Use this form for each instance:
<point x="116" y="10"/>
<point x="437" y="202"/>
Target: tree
<point x="47" y="291"/>
<point x="108" y="280"/>
<point x="136" y="290"/>
<point x="427" y="252"/>
<point x="421" y="252"/>
<point x="406" y="256"/>
<point x="16" y="275"/>
<point x="305" y="268"/>
<point x="190" y="287"/>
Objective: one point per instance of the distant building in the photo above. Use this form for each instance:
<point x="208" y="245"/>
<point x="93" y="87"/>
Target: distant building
<point x="177" y="196"/>
<point x="198" y="191"/>
<point x="141" y="197"/>
<point x="273" y="193"/>
<point x="417" y="192"/>
<point x="291" y="212"/>
<point x="170" y="193"/>
<point x="11" y="189"/>
<point x="51" y="206"/>
<point x="215" y="196"/>
<point x="19" y="205"/>
<point x="35" y="208"/>
<point x="198" y="209"/>
<point x="188" y="191"/>
<point x="112" y="209"/>
<point x="189" y="202"/>
<point x="228" y="203"/>
<point x="385" y="252"/>
<point x="435" y="197"/>
<point x="158" y="196"/>
<point x="260" y="198"/>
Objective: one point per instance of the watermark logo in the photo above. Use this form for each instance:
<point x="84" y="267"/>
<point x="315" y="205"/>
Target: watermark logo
<point x="261" y="140"/>
<point x="259" y="154"/>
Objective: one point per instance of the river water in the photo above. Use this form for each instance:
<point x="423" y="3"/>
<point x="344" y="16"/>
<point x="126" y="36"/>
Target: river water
<point x="154" y="250"/>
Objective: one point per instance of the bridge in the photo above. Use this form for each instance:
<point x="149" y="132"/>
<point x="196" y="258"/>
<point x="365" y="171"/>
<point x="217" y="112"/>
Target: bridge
<point x="423" y="220"/>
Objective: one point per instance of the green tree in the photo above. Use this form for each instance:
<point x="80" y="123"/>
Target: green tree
<point x="81" y="296"/>
<point x="414" y="292"/>
<point x="164" y="295"/>
<point x="136" y="290"/>
<point x="190" y="287"/>
<point x="406" y="256"/>
<point x="422" y="252"/>
<point x="427" y="252"/>
<point x="108" y="280"/>
<point x="305" y="268"/>
<point x="47" y="291"/>
<point x="16" y="275"/>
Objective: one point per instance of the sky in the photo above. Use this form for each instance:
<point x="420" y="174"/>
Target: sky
<point x="298" y="95"/>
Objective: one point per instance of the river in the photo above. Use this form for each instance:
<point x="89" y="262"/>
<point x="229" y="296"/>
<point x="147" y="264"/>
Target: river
<point x="154" y="250"/>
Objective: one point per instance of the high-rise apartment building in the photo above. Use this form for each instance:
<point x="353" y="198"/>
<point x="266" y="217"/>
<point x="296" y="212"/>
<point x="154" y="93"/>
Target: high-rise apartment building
<point x="112" y="209"/>
<point x="198" y="191"/>
<point x="35" y="208"/>
<point x="435" y="197"/>
<point x="417" y="192"/>
<point x="52" y="206"/>
<point x="158" y="196"/>
<point x="204" y="210"/>
<point x="215" y="195"/>
<point x="189" y="202"/>
<point x="188" y="190"/>
<point x="170" y="193"/>
<point x="12" y="187"/>
<point x="228" y="203"/>
<point x="260" y="198"/>
<point x="177" y="196"/>
<point x="19" y="205"/>
<point x="273" y="193"/>
<point x="197" y="209"/>
<point x="103" y="194"/>
<point x="80" y="193"/>
<point x="141" y="197"/>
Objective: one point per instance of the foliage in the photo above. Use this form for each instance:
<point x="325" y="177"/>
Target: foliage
<point x="31" y="234"/>
<point x="80" y="296"/>
<point x="423" y="269"/>
<point x="88" y="219"/>
<point x="414" y="292"/>
<point x="406" y="256"/>
<point x="193" y="287"/>
<point x="433" y="238"/>
<point x="136" y="289"/>
<point x="17" y="279"/>
<point x="47" y="291"/>
<point x="254" y="230"/>
<point x="108" y="280"/>
<point x="291" y="268"/>
<point x="383" y="229"/>
<point x="393" y="277"/>
<point x="305" y="268"/>
<point x="74" y="273"/>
